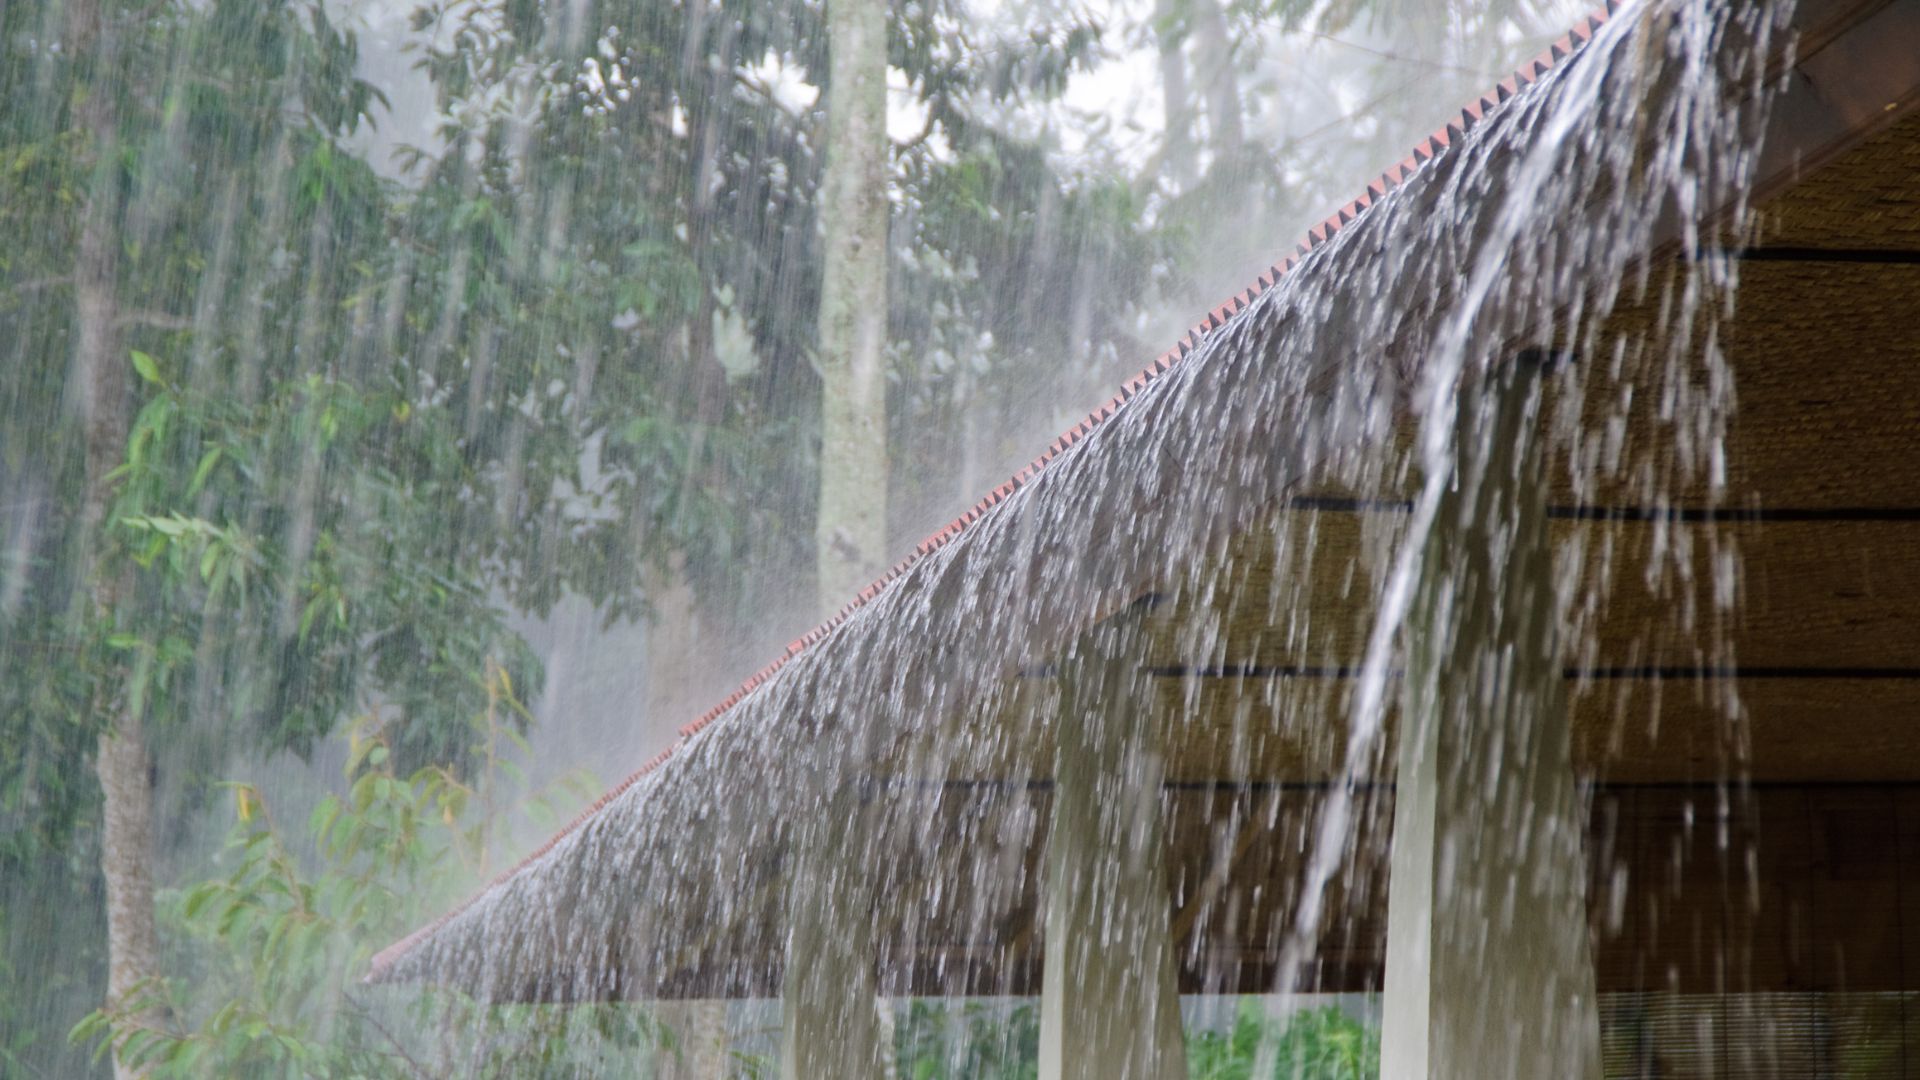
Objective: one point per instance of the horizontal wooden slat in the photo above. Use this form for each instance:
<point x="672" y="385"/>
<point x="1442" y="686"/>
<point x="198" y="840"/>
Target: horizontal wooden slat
<point x="1766" y="593"/>
<point x="1293" y="729"/>
<point x="1848" y="730"/>
<point x="1693" y="890"/>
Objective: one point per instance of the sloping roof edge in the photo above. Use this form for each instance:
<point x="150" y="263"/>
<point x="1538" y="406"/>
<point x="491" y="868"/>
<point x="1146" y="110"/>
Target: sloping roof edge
<point x="1425" y="151"/>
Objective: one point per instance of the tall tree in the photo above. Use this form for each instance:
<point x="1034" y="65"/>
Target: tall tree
<point x="121" y="760"/>
<point x="146" y="197"/>
<point x="851" y="529"/>
<point x="568" y="351"/>
<point x="1176" y="147"/>
<point x="1225" y="130"/>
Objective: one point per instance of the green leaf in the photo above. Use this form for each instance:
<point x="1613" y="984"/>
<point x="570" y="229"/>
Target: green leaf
<point x="198" y="897"/>
<point x="147" y="368"/>
<point x="90" y="1026"/>
<point x="152" y="551"/>
<point x="323" y="817"/>
<point x="140" y="682"/>
<point x="207" y="461"/>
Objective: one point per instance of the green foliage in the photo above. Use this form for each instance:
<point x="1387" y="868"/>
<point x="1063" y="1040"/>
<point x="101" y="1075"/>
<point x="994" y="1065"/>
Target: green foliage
<point x="662" y="196"/>
<point x="1327" y="1044"/>
<point x="1313" y="1044"/>
<point x="373" y="419"/>
<point x="309" y="518"/>
<point x="271" y="950"/>
<point x="1000" y="1040"/>
<point x="207" y="104"/>
<point x="967" y="1040"/>
<point x="1212" y="1055"/>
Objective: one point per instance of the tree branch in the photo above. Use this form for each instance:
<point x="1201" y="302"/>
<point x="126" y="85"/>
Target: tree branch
<point x="398" y="1047"/>
<point x="43" y="283"/>
<point x="158" y="320"/>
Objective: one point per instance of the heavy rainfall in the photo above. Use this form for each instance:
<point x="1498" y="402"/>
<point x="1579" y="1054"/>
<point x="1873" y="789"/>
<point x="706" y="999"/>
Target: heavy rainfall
<point x="508" y="565"/>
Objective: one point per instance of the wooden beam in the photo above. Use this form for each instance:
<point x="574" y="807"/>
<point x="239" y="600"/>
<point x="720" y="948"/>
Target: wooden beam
<point x="1645" y="672"/>
<point x="1109" y="999"/>
<point x="1249" y="832"/>
<point x="1489" y="970"/>
<point x="831" y="1021"/>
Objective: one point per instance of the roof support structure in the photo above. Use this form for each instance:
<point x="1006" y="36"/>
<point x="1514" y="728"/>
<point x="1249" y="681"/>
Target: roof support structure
<point x="1824" y="620"/>
<point x="699" y="1039"/>
<point x="1109" y="1000"/>
<point x="832" y="1023"/>
<point x="1489" y="969"/>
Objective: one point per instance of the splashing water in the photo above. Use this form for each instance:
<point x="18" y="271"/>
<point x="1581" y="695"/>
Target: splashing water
<point x="1600" y="103"/>
<point x="905" y="756"/>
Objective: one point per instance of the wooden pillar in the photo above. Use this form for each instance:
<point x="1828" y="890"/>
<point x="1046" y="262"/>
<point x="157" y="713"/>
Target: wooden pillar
<point x="699" y="1040"/>
<point x="1109" y="1002"/>
<point x="1489" y="967"/>
<point x="831" y="1022"/>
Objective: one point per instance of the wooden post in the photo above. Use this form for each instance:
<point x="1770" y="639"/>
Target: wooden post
<point x="699" y="1050"/>
<point x="1489" y="968"/>
<point x="832" y="1028"/>
<point x="1109" y="1002"/>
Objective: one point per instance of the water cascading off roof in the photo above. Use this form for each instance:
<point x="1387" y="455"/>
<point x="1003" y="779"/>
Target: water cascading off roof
<point x="1248" y="525"/>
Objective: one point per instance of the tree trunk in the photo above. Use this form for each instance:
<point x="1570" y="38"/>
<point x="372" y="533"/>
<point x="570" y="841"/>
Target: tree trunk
<point x="676" y="648"/>
<point x="833" y="1023"/>
<point x="99" y="370"/>
<point x="126" y="862"/>
<point x="851" y="529"/>
<point x="1222" y="89"/>
<point x="1176" y="106"/>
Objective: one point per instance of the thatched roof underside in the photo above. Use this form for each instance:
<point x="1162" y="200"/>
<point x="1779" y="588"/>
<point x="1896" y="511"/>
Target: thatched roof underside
<point x="1792" y="712"/>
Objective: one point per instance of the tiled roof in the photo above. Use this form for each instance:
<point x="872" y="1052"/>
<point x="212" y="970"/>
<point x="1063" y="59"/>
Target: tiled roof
<point x="1317" y="236"/>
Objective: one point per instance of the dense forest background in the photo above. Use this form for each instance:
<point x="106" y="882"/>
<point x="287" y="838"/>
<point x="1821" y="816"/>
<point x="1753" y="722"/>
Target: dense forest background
<point x="410" y="414"/>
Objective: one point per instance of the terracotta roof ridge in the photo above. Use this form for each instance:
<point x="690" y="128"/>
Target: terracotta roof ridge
<point x="1318" y="236"/>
